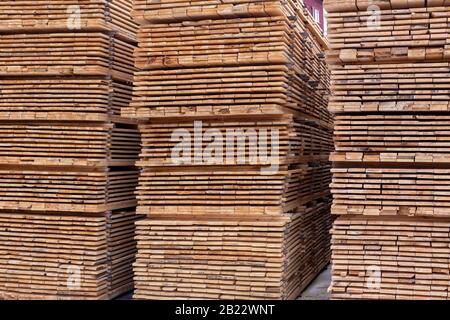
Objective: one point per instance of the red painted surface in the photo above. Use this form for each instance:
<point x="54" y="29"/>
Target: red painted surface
<point x="318" y="5"/>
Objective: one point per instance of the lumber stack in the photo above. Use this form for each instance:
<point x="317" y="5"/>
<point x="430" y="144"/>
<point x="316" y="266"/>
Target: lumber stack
<point x="228" y="258"/>
<point x="243" y="213"/>
<point x="67" y="204"/>
<point x="45" y="255"/>
<point x="412" y="255"/>
<point x="96" y="15"/>
<point x="390" y="70"/>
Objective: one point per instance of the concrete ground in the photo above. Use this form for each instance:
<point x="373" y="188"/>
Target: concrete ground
<point x="127" y="296"/>
<point x="318" y="290"/>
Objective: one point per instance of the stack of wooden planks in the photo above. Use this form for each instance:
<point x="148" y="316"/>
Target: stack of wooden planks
<point x="62" y="255"/>
<point x="390" y="72"/>
<point x="63" y="15"/>
<point x="232" y="101"/>
<point x="67" y="204"/>
<point x="229" y="258"/>
<point x="410" y="255"/>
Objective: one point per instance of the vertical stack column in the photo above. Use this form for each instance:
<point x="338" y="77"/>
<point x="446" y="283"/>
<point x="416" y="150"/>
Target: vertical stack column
<point x="67" y="174"/>
<point x="390" y="71"/>
<point x="232" y="103"/>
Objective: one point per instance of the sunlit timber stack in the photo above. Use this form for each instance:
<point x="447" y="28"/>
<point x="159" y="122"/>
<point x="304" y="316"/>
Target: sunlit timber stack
<point x="390" y="79"/>
<point x="232" y="103"/>
<point x="67" y="175"/>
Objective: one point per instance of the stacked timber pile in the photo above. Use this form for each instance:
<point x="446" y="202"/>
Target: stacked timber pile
<point x="67" y="205"/>
<point x="390" y="71"/>
<point x="236" y="137"/>
<point x="61" y="15"/>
